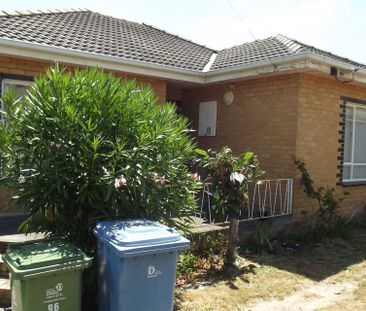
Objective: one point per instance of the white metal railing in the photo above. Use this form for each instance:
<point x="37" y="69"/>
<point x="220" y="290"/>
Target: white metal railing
<point x="267" y="198"/>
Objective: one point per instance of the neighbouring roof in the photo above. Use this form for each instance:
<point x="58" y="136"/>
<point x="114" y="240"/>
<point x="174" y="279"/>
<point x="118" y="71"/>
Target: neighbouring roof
<point x="86" y="31"/>
<point x="268" y="49"/>
<point x="90" y="32"/>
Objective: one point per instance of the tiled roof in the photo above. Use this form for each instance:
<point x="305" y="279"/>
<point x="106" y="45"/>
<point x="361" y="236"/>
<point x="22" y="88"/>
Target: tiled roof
<point x="86" y="31"/>
<point x="268" y="49"/>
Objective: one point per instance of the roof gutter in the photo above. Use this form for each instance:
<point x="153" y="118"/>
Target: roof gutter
<point x="253" y="69"/>
<point x="59" y="54"/>
<point x="291" y="62"/>
<point x="279" y="64"/>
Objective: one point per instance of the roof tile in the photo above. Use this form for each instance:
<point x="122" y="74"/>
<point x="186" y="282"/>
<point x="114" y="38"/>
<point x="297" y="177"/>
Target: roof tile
<point x="87" y="31"/>
<point x="83" y="30"/>
<point x="269" y="49"/>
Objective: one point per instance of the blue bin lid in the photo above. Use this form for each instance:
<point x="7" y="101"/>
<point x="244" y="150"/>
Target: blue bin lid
<point x="139" y="236"/>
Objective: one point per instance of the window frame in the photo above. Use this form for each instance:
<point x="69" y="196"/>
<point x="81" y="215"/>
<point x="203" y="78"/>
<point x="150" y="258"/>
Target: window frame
<point x="352" y="163"/>
<point x="13" y="82"/>
<point x="4" y="82"/>
<point x="200" y="131"/>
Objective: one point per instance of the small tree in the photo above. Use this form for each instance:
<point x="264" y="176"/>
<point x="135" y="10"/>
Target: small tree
<point x="86" y="146"/>
<point x="230" y="176"/>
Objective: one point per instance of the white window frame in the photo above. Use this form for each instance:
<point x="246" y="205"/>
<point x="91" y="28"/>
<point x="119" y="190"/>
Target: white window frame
<point x="6" y="81"/>
<point x="212" y="121"/>
<point x="351" y="164"/>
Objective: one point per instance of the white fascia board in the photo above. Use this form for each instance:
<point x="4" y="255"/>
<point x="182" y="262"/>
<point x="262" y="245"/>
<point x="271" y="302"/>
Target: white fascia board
<point x="50" y="53"/>
<point x="276" y="65"/>
<point x="333" y="62"/>
<point x="322" y="63"/>
<point x="280" y="64"/>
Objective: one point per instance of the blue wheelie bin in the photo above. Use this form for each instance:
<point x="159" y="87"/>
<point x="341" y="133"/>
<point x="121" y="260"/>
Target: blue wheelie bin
<point x="137" y="265"/>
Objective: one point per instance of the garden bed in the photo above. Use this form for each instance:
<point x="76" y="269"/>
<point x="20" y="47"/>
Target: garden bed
<point x="326" y="275"/>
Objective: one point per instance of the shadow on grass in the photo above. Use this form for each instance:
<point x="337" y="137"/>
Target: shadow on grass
<point x="226" y="274"/>
<point x="318" y="261"/>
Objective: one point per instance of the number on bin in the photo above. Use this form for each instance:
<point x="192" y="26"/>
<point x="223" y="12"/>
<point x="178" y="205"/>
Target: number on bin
<point x="54" y="307"/>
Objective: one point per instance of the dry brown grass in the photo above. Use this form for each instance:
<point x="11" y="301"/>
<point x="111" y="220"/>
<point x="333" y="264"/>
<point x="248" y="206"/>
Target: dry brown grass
<point x="275" y="276"/>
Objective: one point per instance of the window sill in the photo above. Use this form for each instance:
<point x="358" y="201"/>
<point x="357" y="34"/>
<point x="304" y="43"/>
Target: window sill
<point x="353" y="183"/>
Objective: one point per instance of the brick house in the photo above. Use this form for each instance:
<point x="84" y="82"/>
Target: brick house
<point x="279" y="97"/>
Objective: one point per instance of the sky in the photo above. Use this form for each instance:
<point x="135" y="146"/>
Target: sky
<point x="337" y="26"/>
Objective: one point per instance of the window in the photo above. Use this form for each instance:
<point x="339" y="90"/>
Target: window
<point x="354" y="161"/>
<point x="207" y="118"/>
<point x="19" y="86"/>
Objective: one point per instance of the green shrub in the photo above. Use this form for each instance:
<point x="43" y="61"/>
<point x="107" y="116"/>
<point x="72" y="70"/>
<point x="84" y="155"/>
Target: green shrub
<point x="230" y="176"/>
<point x="262" y="239"/>
<point x="203" y="257"/>
<point x="86" y="146"/>
<point x="208" y="245"/>
<point x="186" y="263"/>
<point x="328" y="221"/>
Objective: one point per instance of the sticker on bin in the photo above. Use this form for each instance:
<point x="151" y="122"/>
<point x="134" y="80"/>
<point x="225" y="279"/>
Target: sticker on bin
<point x="53" y="296"/>
<point x="56" y="292"/>
<point x="152" y="272"/>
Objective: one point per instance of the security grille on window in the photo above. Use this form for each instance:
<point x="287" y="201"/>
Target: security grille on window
<point x="207" y="118"/>
<point x="354" y="162"/>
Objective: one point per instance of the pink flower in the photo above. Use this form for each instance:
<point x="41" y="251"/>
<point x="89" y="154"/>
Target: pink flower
<point x="120" y="182"/>
<point x="159" y="180"/>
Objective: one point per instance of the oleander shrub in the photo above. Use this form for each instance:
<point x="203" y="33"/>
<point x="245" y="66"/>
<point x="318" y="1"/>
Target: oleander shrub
<point x="85" y="146"/>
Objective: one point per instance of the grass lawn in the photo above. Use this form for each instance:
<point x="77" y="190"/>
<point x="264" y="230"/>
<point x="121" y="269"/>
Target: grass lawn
<point x="330" y="275"/>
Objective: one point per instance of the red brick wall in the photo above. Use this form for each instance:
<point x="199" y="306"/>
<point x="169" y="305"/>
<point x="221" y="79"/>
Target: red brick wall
<point x="262" y="117"/>
<point x="281" y="117"/>
<point x="318" y="137"/>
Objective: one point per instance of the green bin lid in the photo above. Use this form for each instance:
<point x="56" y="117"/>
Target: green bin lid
<point x="40" y="254"/>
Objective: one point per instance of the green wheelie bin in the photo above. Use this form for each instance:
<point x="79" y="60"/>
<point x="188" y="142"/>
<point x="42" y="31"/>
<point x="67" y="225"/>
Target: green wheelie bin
<point x="46" y="275"/>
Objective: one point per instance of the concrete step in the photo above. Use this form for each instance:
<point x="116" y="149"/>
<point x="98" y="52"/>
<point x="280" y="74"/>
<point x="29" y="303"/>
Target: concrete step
<point x="5" y="293"/>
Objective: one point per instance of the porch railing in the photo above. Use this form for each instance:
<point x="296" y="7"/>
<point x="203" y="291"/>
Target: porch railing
<point x="267" y="198"/>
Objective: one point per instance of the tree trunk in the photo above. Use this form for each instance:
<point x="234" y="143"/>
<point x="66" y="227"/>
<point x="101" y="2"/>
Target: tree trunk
<point x="230" y="255"/>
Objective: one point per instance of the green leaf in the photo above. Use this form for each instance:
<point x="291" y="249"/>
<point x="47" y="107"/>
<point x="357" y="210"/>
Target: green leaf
<point x="201" y="152"/>
<point x="216" y="196"/>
